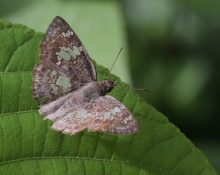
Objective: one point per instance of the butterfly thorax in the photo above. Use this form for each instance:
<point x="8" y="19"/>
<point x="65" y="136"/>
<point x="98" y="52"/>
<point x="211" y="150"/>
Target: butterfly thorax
<point x="95" y="89"/>
<point x="92" y="90"/>
<point x="107" y="85"/>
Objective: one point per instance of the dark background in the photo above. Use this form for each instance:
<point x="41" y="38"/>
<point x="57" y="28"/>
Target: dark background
<point x="173" y="50"/>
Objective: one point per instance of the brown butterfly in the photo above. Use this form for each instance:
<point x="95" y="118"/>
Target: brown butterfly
<point x="67" y="77"/>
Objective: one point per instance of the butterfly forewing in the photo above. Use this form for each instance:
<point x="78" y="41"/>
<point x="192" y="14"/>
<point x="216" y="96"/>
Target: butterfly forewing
<point x="49" y="81"/>
<point x="64" y="60"/>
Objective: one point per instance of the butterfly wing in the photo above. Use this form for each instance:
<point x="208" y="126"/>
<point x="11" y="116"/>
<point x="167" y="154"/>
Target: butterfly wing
<point x="65" y="64"/>
<point x="66" y="67"/>
<point x="111" y="117"/>
<point x="105" y="114"/>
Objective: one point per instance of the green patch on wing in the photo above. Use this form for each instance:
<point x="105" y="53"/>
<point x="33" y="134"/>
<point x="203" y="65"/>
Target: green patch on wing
<point x="63" y="81"/>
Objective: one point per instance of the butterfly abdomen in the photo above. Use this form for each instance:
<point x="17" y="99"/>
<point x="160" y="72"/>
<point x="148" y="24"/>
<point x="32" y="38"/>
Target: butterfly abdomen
<point x="76" y="99"/>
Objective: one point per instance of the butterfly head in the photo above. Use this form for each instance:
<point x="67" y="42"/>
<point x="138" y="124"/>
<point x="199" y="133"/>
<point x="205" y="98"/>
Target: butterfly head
<point x="108" y="85"/>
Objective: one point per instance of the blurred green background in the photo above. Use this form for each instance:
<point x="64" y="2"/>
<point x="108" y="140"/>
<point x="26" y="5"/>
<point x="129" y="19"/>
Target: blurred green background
<point x="170" y="47"/>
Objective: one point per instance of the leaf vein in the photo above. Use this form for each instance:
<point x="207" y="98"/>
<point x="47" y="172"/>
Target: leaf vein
<point x="83" y="160"/>
<point x="18" y="112"/>
<point x="2" y="95"/>
<point x="18" y="47"/>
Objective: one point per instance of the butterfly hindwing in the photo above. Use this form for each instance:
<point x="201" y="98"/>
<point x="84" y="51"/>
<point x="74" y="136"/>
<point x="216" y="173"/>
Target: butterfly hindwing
<point x="105" y="114"/>
<point x="112" y="117"/>
<point x="63" y="54"/>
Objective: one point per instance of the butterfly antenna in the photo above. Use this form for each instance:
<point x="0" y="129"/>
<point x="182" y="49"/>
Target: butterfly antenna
<point x="134" y="88"/>
<point x="114" y="62"/>
<point x="119" y="86"/>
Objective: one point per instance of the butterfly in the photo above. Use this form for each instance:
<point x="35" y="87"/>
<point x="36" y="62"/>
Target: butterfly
<point x="66" y="77"/>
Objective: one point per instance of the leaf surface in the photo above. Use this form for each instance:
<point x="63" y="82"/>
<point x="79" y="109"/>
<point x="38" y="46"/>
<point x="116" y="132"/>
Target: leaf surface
<point x="29" y="146"/>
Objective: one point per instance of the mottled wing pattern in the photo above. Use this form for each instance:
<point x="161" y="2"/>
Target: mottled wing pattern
<point x="65" y="64"/>
<point x="66" y="67"/>
<point x="48" y="83"/>
<point x="105" y="114"/>
<point x="112" y="117"/>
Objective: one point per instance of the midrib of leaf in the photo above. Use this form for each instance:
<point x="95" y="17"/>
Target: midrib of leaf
<point x="84" y="159"/>
<point x="19" y="112"/>
<point x="28" y="72"/>
<point x="13" y="53"/>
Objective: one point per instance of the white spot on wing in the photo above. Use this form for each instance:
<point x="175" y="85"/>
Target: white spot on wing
<point x="64" y="35"/>
<point x="106" y="115"/>
<point x="112" y="117"/>
<point x="76" y="50"/>
<point x="80" y="48"/>
<point x="98" y="118"/>
<point x="113" y="111"/>
<point x="117" y="109"/>
<point x="130" y="117"/>
<point x="63" y="81"/>
<point x="88" y="115"/>
<point x="63" y="55"/>
<point x="58" y="63"/>
<point x="82" y="120"/>
<point x="81" y="113"/>
<point x="66" y="53"/>
<point x="67" y="34"/>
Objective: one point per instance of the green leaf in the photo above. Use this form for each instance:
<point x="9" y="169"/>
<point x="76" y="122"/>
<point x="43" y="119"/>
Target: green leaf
<point x="29" y="146"/>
